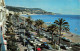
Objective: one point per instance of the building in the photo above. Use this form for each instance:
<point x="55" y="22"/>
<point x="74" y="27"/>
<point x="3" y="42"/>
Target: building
<point x="3" y="46"/>
<point x="11" y="12"/>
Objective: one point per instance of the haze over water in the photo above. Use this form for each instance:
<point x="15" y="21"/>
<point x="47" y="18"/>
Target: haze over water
<point x="73" y="20"/>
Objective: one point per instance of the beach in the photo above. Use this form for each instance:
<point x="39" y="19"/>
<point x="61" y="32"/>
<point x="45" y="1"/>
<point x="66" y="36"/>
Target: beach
<point x="73" y="37"/>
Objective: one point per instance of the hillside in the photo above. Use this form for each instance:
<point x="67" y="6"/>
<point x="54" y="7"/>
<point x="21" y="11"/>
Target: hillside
<point x="29" y="10"/>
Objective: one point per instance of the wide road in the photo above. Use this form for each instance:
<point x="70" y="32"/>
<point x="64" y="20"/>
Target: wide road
<point x="56" y="38"/>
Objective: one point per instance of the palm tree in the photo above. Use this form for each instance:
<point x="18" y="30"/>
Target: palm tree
<point x="17" y="16"/>
<point x="29" y="17"/>
<point x="9" y="17"/>
<point x="62" y="25"/>
<point x="29" y="21"/>
<point x="66" y="28"/>
<point x="53" y="28"/>
<point x="41" y="23"/>
<point x="38" y="24"/>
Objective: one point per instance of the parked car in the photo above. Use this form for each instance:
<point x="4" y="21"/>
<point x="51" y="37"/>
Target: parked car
<point x="38" y="49"/>
<point x="30" y="48"/>
<point x="65" y="39"/>
<point x="25" y="42"/>
<point x="44" y="45"/>
<point x="32" y="39"/>
<point x="45" y="35"/>
<point x="28" y="38"/>
<point x="50" y="38"/>
<point x="57" y="35"/>
<point x="76" y="46"/>
<point x="64" y="47"/>
<point x="49" y="47"/>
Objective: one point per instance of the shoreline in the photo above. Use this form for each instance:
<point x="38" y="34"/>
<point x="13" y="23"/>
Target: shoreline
<point x="75" y="38"/>
<point x="37" y="14"/>
<point x="51" y="22"/>
<point x="48" y="14"/>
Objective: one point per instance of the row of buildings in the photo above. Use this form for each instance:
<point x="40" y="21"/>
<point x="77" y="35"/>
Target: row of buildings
<point x="3" y="14"/>
<point x="3" y="18"/>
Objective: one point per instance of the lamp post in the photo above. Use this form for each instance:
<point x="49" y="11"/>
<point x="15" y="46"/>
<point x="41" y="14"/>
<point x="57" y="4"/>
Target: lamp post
<point x="35" y="45"/>
<point x="24" y="32"/>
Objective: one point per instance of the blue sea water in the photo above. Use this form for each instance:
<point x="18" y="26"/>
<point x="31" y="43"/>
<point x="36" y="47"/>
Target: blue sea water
<point x="73" y="20"/>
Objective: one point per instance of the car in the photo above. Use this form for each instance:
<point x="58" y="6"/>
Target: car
<point x="38" y="49"/>
<point x="50" y="38"/>
<point x="45" y="35"/>
<point x="44" y="45"/>
<point x="31" y="36"/>
<point x="49" y="47"/>
<point x="25" y="41"/>
<point x="65" y="39"/>
<point x="39" y="39"/>
<point x="76" y="44"/>
<point x="32" y="39"/>
<point x="28" y="38"/>
<point x="25" y="49"/>
<point x="30" y="48"/>
<point x="57" y="35"/>
<point x="64" y="47"/>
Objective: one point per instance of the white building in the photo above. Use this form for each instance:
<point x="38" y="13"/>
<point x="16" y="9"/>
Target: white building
<point x="11" y="12"/>
<point x="2" y="24"/>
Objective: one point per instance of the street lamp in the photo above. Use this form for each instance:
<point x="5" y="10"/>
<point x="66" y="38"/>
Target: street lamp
<point x="35" y="45"/>
<point x="24" y="31"/>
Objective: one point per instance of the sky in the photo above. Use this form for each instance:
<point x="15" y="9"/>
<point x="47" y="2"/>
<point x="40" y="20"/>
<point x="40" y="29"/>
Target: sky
<point x="71" y="7"/>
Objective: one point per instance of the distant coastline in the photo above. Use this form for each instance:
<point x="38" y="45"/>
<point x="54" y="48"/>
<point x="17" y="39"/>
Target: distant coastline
<point x="29" y="11"/>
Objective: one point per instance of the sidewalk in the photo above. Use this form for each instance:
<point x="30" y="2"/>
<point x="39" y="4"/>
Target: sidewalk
<point x="21" y="47"/>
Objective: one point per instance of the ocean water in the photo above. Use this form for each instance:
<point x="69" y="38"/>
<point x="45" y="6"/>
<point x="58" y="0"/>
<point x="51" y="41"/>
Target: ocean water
<point x="73" y="20"/>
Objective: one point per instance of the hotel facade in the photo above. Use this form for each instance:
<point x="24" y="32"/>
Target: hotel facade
<point x="3" y="13"/>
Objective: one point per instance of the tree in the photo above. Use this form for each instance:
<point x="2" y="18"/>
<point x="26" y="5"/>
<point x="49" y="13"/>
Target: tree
<point x="62" y="25"/>
<point x="53" y="28"/>
<point x="29" y="21"/>
<point x="17" y="16"/>
<point x="38" y="24"/>
<point x="9" y="17"/>
<point x="66" y="28"/>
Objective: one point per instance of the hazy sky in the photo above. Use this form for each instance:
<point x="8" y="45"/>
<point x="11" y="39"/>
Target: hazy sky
<point x="56" y="6"/>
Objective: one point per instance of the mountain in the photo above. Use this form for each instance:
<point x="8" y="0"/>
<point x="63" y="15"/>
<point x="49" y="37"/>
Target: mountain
<point x="28" y="10"/>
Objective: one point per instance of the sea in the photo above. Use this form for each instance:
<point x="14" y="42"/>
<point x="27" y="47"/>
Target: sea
<point x="73" y="20"/>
